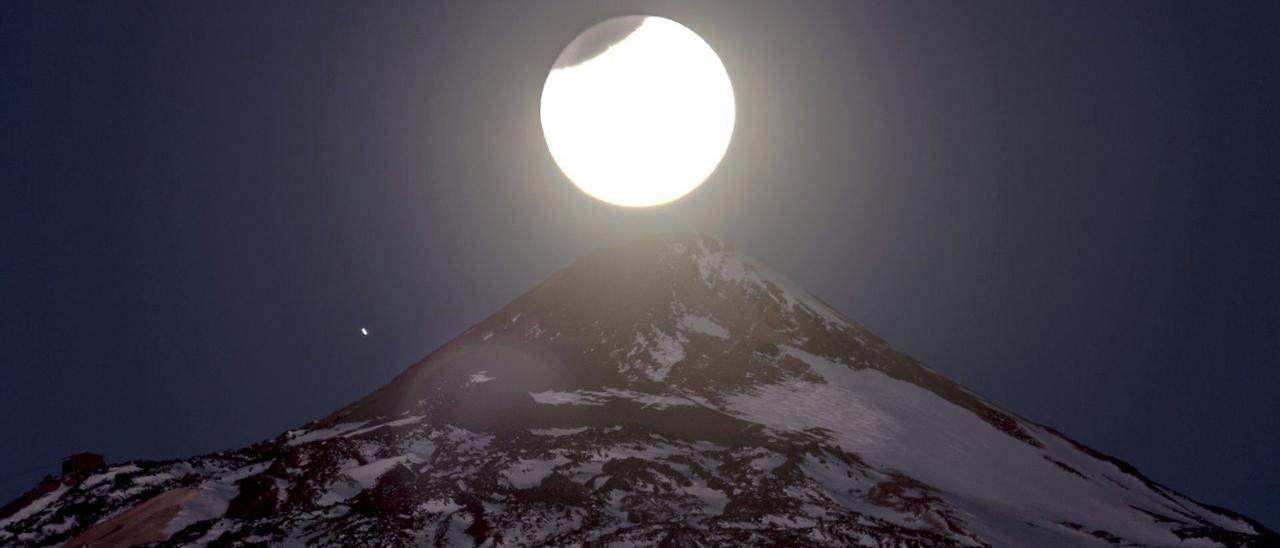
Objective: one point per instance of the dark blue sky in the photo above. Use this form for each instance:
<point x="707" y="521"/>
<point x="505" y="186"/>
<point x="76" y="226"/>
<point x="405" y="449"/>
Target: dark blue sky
<point x="1071" y="207"/>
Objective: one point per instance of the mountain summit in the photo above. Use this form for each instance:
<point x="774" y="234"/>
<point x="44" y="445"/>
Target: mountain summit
<point x="666" y="391"/>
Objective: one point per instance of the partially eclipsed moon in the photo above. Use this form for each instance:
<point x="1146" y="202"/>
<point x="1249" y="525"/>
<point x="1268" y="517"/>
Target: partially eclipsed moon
<point x="637" y="111"/>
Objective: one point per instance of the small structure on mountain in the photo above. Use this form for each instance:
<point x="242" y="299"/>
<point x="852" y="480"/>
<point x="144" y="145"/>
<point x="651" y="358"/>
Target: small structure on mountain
<point x="82" y="463"/>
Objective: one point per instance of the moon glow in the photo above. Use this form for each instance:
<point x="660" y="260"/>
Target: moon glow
<point x="637" y="111"/>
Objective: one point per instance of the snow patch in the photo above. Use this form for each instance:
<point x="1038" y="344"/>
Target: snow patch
<point x="479" y="377"/>
<point x="440" y="506"/>
<point x="664" y="352"/>
<point x="656" y="401"/>
<point x="212" y="497"/>
<point x="109" y="475"/>
<point x="35" y="507"/>
<point x="533" y="332"/>
<point x="211" y="502"/>
<point x="729" y="265"/>
<point x="601" y="397"/>
<point x="703" y="325"/>
<point x="555" y="397"/>
<point x="527" y="473"/>
<point x="392" y="424"/>
<point x="557" y="432"/>
<point x="421" y="451"/>
<point x="340" y="490"/>
<point x="896" y="425"/>
<point x="768" y="462"/>
<point x="299" y="437"/>
<point x="367" y="475"/>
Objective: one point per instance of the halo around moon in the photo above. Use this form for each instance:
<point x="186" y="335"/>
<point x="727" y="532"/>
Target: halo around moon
<point x="637" y="111"/>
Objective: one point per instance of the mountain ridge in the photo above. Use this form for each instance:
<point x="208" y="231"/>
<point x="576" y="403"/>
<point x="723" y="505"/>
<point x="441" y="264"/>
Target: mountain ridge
<point x="666" y="390"/>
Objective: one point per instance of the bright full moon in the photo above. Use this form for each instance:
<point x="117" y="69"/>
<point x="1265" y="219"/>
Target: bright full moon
<point x="637" y="111"/>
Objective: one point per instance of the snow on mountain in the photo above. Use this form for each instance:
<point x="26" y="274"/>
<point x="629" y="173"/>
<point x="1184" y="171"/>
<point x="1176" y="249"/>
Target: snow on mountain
<point x="670" y="390"/>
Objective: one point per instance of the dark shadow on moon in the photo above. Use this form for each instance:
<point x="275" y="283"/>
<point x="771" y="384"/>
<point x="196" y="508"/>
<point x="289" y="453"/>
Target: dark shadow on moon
<point x="597" y="40"/>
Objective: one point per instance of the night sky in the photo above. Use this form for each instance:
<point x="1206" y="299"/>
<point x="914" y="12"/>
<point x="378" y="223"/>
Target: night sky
<point x="1072" y="208"/>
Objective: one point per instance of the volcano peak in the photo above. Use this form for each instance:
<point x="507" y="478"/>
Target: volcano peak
<point x="670" y="389"/>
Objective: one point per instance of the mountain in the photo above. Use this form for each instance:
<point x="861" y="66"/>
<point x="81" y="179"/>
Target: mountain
<point x="667" y="391"/>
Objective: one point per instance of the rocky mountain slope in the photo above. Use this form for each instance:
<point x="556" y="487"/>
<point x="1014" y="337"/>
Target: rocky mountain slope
<point x="668" y="391"/>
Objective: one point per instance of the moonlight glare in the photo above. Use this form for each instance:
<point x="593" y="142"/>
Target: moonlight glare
<point x="644" y="122"/>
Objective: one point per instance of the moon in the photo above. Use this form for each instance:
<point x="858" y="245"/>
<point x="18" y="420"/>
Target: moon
<point x="637" y="111"/>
